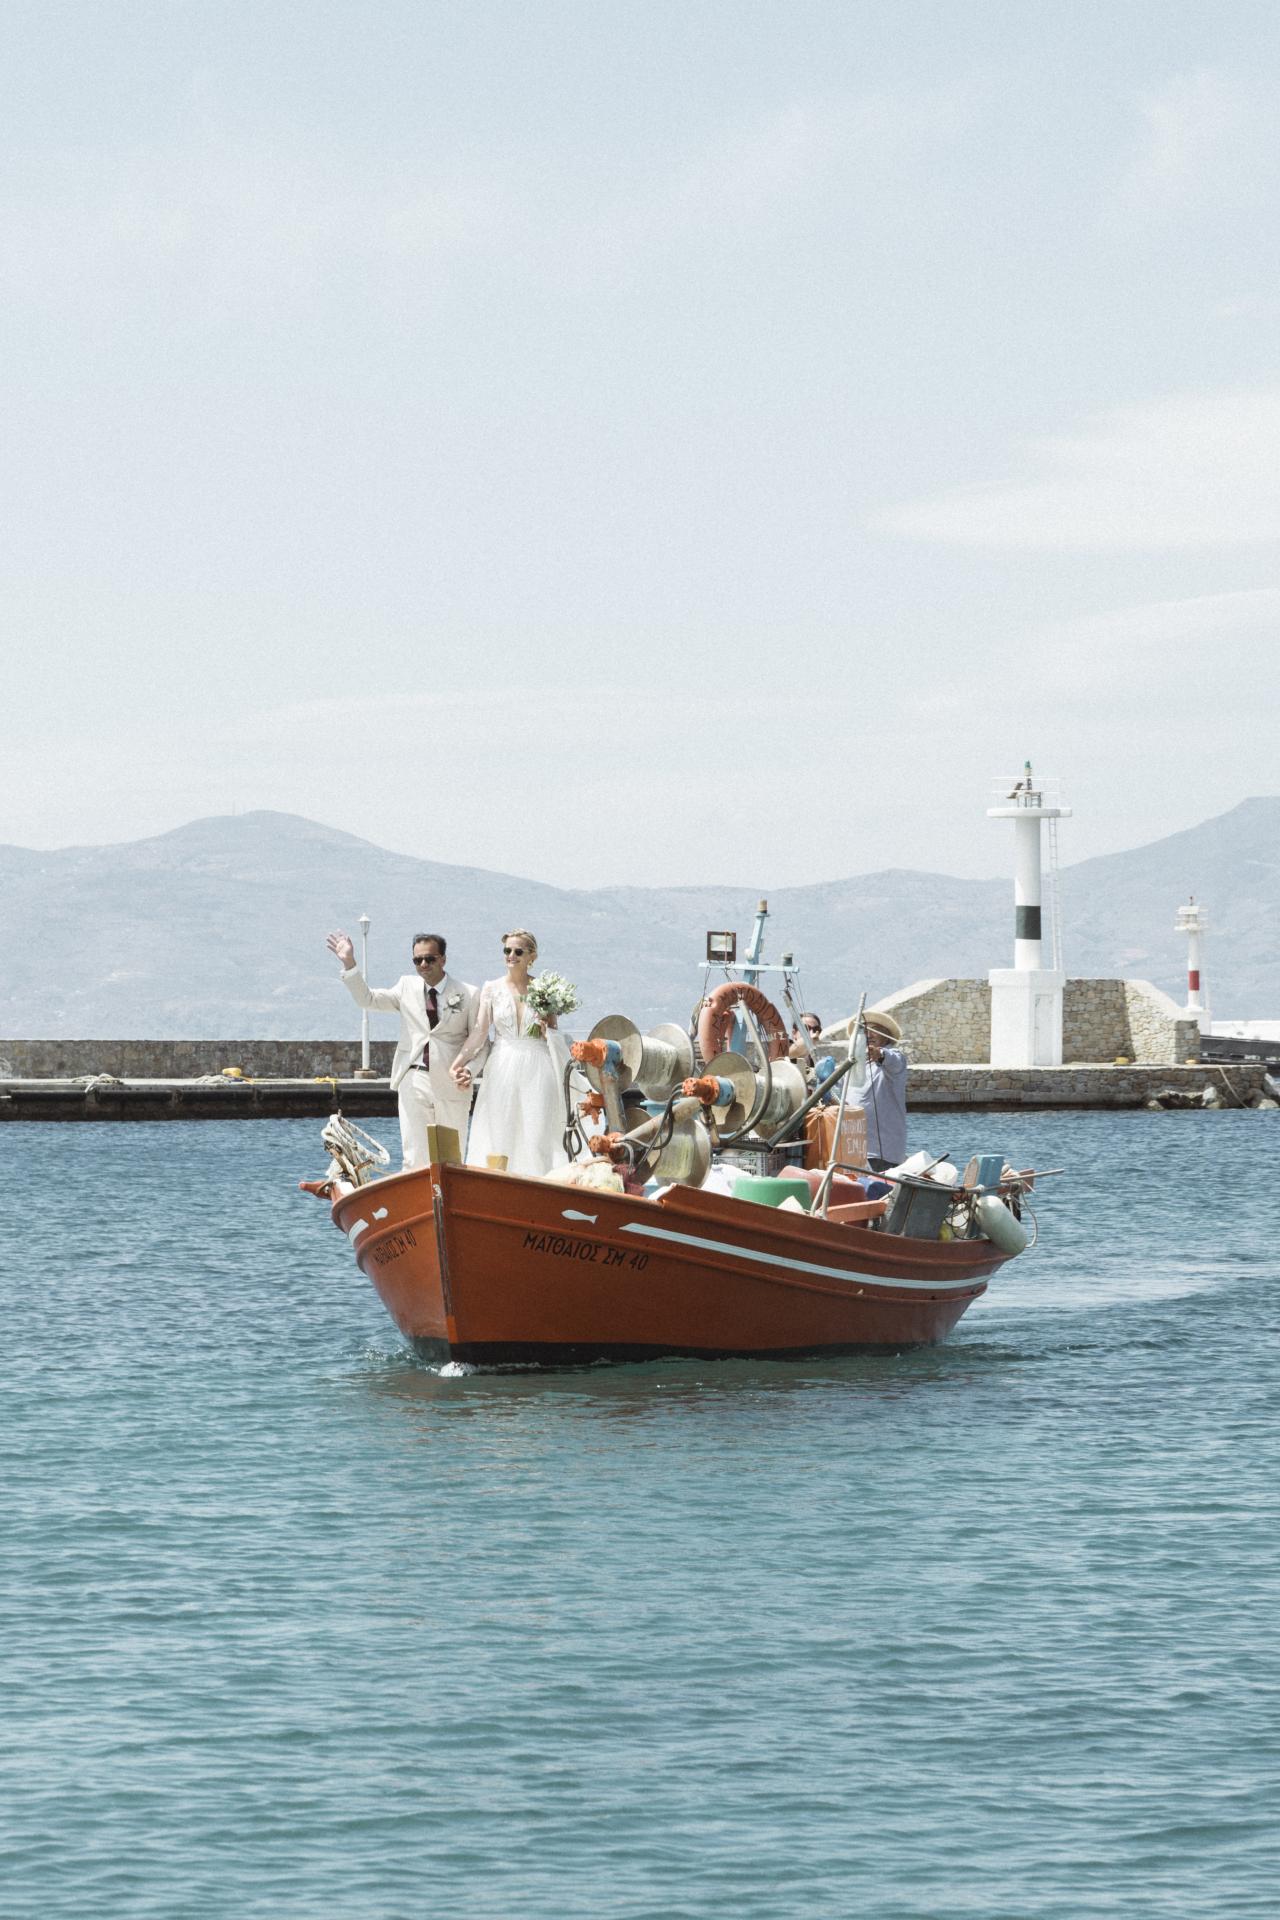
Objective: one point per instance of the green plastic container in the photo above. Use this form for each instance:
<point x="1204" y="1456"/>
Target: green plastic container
<point x="768" y="1192"/>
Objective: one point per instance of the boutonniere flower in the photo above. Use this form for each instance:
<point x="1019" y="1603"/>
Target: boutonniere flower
<point x="453" y="1002"/>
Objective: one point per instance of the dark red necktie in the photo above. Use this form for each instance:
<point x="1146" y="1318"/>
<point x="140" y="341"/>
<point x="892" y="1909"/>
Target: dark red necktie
<point x="433" y="1015"/>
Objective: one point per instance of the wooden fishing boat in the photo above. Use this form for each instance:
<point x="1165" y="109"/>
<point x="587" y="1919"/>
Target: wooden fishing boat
<point x="489" y="1268"/>
<point x="688" y="1236"/>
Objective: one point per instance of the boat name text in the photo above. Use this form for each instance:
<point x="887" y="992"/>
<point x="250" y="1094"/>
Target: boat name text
<point x="564" y="1246"/>
<point x="394" y="1245"/>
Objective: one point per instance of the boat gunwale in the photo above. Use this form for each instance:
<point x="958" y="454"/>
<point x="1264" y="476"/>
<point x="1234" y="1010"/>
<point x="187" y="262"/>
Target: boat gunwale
<point x="948" y="1265"/>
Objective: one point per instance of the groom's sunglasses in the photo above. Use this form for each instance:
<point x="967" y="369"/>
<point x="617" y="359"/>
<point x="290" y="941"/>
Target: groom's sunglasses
<point x="425" y="959"/>
<point x="509" y="952"/>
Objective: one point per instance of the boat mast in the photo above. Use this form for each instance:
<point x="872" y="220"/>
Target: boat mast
<point x="754" y="963"/>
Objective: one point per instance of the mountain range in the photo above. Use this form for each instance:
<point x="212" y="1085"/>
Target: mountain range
<point x="216" y="930"/>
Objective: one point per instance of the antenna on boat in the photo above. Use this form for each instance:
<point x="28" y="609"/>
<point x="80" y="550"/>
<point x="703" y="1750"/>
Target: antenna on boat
<point x="722" y="953"/>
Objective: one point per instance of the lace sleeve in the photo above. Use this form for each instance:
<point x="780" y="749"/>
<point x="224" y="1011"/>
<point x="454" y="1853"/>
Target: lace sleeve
<point x="480" y="1031"/>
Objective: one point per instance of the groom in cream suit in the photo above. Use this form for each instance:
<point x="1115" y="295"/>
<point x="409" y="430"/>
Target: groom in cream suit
<point x="437" y="1015"/>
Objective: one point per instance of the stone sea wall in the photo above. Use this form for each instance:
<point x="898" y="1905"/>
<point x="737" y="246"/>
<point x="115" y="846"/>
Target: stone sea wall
<point x="1158" y="1029"/>
<point x="157" y="1080"/>
<point x="948" y="1022"/>
<point x="943" y="1020"/>
<point x="1082" y="1086"/>
<point x="188" y="1059"/>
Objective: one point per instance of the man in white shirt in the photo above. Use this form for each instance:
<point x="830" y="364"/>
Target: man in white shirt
<point x="437" y="1016"/>
<point x="884" y="1097"/>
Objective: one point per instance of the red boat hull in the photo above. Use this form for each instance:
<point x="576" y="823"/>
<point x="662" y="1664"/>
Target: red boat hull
<point x="492" y="1269"/>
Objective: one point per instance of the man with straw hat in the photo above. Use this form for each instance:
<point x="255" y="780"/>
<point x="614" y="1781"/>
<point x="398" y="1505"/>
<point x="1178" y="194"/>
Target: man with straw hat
<point x="885" y="1095"/>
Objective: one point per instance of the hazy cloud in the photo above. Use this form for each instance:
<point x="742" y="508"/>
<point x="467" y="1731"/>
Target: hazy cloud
<point x="1249" y="306"/>
<point x="1188" y="470"/>
<point x="795" y="160"/>
<point x="748" y="173"/>
<point x="248" y="223"/>
<point x="1175" y="624"/>
<point x="1191" y="131"/>
<point x="237" y="223"/>
<point x="1144" y="660"/>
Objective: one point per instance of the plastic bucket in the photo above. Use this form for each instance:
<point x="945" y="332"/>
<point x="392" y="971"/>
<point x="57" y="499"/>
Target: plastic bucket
<point x="768" y="1192"/>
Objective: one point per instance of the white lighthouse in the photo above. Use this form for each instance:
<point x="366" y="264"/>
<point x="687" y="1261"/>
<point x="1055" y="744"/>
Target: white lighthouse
<point x="1026" y="998"/>
<point x="1193" y="921"/>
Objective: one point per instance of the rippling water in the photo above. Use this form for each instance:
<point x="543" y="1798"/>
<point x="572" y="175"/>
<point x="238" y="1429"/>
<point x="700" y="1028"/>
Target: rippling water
<point x="291" y="1625"/>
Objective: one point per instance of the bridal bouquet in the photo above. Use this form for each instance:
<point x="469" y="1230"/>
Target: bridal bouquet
<point x="549" y="993"/>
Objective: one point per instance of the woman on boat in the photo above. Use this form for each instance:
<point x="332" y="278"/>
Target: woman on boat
<point x="520" y="1108"/>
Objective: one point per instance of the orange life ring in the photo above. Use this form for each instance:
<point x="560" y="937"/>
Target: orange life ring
<point x="715" y="1021"/>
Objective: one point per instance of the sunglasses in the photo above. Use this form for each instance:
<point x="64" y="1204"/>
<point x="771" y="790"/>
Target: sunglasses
<point x="425" y="959"/>
<point x="513" y="952"/>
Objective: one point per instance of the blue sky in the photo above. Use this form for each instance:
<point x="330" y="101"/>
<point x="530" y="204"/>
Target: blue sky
<point x="639" y="442"/>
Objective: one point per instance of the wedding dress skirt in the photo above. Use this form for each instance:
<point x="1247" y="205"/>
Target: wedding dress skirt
<point x="520" y="1106"/>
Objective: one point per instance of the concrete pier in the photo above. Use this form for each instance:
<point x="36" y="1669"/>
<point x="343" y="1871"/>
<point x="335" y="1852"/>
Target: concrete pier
<point x="189" y="1059"/>
<point x="100" y="1098"/>
<point x="931" y="1088"/>
<point x="940" y="1087"/>
<point x="190" y="1079"/>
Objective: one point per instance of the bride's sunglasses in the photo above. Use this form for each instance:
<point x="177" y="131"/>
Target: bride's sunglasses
<point x="510" y="952"/>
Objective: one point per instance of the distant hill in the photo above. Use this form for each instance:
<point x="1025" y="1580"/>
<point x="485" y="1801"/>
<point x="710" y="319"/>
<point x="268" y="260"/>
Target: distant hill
<point x="216" y="930"/>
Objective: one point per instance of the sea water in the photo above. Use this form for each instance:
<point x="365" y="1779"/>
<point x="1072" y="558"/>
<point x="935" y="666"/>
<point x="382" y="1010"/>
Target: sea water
<point x="293" y="1625"/>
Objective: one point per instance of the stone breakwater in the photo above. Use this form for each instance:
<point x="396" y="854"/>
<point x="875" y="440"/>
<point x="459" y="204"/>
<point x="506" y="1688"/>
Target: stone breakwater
<point x="98" y="1093"/>
<point x="99" y="1097"/>
<point x="187" y="1059"/>
<point x="949" y="1021"/>
<point x="190" y="1079"/>
<point x="933" y="1085"/>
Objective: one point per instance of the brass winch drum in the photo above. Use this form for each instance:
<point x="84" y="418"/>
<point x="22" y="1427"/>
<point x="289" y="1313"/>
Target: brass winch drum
<point x="732" y="1067"/>
<point x="656" y="1061"/>
<point x="616" y="1026"/>
<point x="786" y="1095"/>
<point x="686" y="1158"/>
<point x="666" y="1058"/>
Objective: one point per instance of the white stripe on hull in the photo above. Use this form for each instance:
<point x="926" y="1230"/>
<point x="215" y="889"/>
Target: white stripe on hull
<point x="798" y="1266"/>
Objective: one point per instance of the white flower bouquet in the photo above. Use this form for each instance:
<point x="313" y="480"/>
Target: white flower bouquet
<point x="549" y="993"/>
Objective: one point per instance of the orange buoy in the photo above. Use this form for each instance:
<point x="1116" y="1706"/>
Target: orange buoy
<point x="715" y="1021"/>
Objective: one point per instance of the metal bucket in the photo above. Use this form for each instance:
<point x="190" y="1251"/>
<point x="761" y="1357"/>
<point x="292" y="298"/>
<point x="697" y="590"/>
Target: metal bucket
<point x="918" y="1209"/>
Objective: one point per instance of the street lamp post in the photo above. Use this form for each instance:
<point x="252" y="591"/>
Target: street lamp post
<point x="365" y="1068"/>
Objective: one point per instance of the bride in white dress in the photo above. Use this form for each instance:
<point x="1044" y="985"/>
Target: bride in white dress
<point x="520" y="1108"/>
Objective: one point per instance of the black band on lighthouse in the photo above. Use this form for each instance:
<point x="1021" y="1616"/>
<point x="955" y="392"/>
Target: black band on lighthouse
<point x="1026" y="923"/>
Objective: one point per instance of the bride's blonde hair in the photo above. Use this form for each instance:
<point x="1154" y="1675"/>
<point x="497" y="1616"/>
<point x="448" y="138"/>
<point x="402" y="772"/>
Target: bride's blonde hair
<point x="523" y="933"/>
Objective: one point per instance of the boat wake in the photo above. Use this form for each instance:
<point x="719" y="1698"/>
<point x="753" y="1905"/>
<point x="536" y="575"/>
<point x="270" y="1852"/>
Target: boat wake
<point x="1124" y="1283"/>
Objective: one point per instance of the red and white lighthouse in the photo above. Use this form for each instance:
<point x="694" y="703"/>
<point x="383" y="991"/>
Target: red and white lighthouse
<point x="1193" y="921"/>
